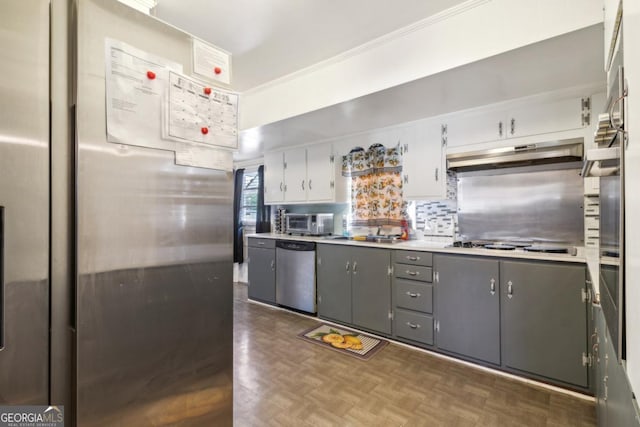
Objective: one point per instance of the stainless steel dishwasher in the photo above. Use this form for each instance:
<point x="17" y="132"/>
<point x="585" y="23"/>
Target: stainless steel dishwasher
<point x="296" y="275"/>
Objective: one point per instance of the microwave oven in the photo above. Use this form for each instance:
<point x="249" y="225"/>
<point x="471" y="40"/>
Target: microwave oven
<point x="309" y="224"/>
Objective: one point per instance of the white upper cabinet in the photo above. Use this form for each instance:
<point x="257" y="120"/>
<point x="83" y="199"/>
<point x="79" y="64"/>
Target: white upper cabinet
<point x="320" y="173"/>
<point x="517" y="121"/>
<point x="302" y="175"/>
<point x="273" y="177"/>
<point x="475" y="127"/>
<point x="553" y="116"/>
<point x="295" y="175"/>
<point x="423" y="169"/>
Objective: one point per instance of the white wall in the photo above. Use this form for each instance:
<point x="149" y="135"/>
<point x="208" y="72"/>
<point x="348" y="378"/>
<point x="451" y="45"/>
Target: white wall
<point x="631" y="28"/>
<point x="475" y="30"/>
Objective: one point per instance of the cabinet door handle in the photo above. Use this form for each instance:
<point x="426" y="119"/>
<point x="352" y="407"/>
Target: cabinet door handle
<point x="303" y="184"/>
<point x="412" y="273"/>
<point x="513" y="126"/>
<point x="500" y="131"/>
<point x="347" y="266"/>
<point x="310" y="185"/>
<point x="492" y="287"/>
<point x="413" y="325"/>
<point x="281" y="186"/>
<point x="412" y="295"/>
<point x="406" y="179"/>
<point x="355" y="267"/>
<point x="510" y="289"/>
<point x="436" y="174"/>
<point x="273" y="265"/>
<point x="413" y="258"/>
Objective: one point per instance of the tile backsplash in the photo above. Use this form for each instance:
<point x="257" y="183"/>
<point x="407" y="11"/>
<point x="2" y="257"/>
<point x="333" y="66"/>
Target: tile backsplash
<point x="439" y="218"/>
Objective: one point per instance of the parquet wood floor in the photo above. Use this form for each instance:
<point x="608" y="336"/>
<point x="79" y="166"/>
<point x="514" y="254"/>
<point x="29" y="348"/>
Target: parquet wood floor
<point x="280" y="380"/>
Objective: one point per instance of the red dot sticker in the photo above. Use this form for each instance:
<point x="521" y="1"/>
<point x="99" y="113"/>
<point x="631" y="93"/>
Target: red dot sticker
<point x="151" y="75"/>
<point x="217" y="70"/>
<point x="204" y="131"/>
<point x="207" y="91"/>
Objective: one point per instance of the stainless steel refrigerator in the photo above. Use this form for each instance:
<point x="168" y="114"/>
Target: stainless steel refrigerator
<point x="24" y="202"/>
<point x="154" y="288"/>
<point x="152" y="303"/>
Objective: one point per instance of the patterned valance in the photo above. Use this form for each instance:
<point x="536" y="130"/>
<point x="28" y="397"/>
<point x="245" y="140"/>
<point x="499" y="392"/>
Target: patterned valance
<point x="376" y="159"/>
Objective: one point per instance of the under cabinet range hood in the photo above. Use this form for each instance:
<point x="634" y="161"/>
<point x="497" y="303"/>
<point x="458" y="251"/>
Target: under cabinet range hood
<point x="560" y="151"/>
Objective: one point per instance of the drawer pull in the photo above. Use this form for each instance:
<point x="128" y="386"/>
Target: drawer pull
<point x="412" y="325"/>
<point x="413" y="258"/>
<point x="412" y="295"/>
<point x="492" y="287"/>
<point x="412" y="273"/>
<point x="261" y="243"/>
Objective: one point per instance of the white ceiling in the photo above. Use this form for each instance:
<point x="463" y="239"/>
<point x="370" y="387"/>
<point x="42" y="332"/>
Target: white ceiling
<point x="272" y="38"/>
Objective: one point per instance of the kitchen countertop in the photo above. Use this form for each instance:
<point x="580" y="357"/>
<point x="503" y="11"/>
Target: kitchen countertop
<point x="435" y="247"/>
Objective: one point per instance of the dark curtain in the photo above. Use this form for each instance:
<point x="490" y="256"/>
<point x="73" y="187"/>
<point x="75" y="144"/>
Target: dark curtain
<point x="238" y="247"/>
<point x="263" y="214"/>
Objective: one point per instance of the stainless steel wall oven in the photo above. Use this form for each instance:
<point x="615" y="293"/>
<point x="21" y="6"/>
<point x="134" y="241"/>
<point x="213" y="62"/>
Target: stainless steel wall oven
<point x="612" y="137"/>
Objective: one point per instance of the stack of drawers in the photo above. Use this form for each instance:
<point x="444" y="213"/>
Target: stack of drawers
<point x="413" y="297"/>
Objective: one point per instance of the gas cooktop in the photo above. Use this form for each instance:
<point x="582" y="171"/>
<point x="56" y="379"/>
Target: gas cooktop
<point x="519" y="245"/>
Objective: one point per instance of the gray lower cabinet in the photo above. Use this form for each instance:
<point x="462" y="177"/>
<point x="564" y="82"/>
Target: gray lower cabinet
<point x="262" y="270"/>
<point x="333" y="279"/>
<point x="544" y="320"/>
<point x="371" y="289"/>
<point x="599" y="358"/>
<point x="524" y="316"/>
<point x="354" y="286"/>
<point x="614" y="398"/>
<point x="468" y="306"/>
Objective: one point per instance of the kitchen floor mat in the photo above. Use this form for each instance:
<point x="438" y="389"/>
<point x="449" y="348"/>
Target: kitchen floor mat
<point x="344" y="340"/>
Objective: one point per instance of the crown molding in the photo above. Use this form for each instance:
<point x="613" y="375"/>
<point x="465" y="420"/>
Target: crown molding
<point x="372" y="44"/>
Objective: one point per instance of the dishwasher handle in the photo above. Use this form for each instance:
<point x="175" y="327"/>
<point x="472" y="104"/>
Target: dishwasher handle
<point x="292" y="245"/>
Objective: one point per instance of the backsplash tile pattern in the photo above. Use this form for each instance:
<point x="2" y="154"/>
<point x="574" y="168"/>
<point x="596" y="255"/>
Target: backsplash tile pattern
<point x="440" y="218"/>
